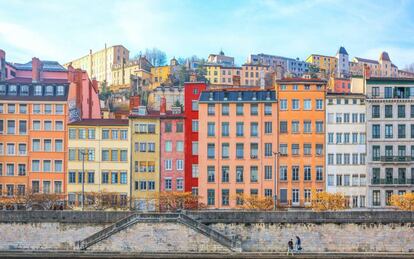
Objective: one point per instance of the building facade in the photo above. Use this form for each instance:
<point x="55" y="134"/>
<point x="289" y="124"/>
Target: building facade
<point x="390" y="134"/>
<point x="326" y="64"/>
<point x="237" y="139"/>
<point x="98" y="64"/>
<point x="293" y="67"/>
<point x="222" y="75"/>
<point x="256" y="75"/>
<point x="172" y="150"/>
<point x="99" y="148"/>
<point x="122" y="72"/>
<point x="301" y="159"/>
<point x="383" y="67"/>
<point x="346" y="147"/>
<point x="192" y="93"/>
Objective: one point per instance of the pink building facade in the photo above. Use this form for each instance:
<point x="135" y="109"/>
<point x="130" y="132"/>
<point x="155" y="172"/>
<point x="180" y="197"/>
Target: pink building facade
<point x="172" y="149"/>
<point x="237" y="138"/>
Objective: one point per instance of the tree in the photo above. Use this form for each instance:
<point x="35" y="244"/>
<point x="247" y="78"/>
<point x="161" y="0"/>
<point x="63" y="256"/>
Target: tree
<point x="102" y="200"/>
<point x="403" y="202"/>
<point x="313" y="71"/>
<point x="174" y="201"/>
<point x="201" y="70"/>
<point x="409" y="68"/>
<point x="183" y="74"/>
<point x="254" y="202"/>
<point x="105" y="92"/>
<point x="155" y="56"/>
<point x="324" y="201"/>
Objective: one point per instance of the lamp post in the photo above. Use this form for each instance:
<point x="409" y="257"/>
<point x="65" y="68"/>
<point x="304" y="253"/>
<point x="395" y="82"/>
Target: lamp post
<point x="83" y="153"/>
<point x="275" y="180"/>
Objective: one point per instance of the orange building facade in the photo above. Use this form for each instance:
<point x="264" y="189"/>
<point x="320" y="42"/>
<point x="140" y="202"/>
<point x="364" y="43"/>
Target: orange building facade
<point x="33" y="132"/>
<point x="301" y="127"/>
<point x="237" y="141"/>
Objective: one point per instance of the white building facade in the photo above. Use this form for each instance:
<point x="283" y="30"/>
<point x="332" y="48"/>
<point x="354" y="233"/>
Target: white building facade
<point x="346" y="147"/>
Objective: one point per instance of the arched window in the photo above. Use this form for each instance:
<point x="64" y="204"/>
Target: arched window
<point x="49" y="90"/>
<point x="38" y="90"/>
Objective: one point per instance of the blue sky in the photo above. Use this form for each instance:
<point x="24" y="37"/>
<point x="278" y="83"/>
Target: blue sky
<point x="63" y="30"/>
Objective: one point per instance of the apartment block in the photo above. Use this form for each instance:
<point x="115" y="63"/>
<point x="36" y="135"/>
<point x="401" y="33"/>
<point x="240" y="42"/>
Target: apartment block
<point x="237" y="141"/>
<point x="301" y="127"/>
<point x="346" y="147"/>
<point x="99" y="155"/>
<point x="390" y="136"/>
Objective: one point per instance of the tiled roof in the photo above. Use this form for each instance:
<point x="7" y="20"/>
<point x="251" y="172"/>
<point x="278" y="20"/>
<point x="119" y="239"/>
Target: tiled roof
<point x="366" y="60"/>
<point x="26" y="80"/>
<point x="342" y="50"/>
<point x="238" y="96"/>
<point x="301" y="80"/>
<point x="100" y="122"/>
<point x="51" y="66"/>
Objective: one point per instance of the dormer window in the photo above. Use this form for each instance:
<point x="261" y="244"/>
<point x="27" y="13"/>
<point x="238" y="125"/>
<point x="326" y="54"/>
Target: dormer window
<point x="49" y="90"/>
<point x="38" y="90"/>
<point x="2" y="89"/>
<point x="12" y="89"/>
<point x="211" y="96"/>
<point x="239" y="96"/>
<point x="24" y="90"/>
<point x="142" y="110"/>
<point x="254" y="96"/>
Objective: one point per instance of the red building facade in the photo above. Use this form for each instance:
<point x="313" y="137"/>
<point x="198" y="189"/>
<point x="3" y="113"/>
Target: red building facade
<point x="191" y="96"/>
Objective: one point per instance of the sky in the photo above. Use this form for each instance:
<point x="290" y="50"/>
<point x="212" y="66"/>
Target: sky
<point x="65" y="30"/>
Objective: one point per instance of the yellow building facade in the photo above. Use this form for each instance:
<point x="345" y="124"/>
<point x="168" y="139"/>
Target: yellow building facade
<point x="160" y="75"/>
<point x="145" y="159"/>
<point x="99" y="64"/>
<point x="327" y="64"/>
<point x="106" y="146"/>
<point x="121" y="74"/>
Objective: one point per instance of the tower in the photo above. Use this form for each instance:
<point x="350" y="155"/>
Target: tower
<point x="342" y="69"/>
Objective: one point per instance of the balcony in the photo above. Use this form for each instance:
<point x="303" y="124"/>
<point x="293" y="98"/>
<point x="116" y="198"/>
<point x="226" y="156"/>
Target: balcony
<point x="396" y="159"/>
<point x="391" y="181"/>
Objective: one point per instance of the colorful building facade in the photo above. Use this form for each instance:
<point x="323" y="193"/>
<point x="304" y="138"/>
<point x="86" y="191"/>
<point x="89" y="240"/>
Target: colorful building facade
<point x="101" y="149"/>
<point x="192" y="93"/>
<point x="237" y="141"/>
<point x="301" y="158"/>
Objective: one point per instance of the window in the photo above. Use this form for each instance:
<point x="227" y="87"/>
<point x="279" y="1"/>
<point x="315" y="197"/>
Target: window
<point x="179" y="127"/>
<point x="179" y="146"/>
<point x="105" y="155"/>
<point x="123" y="155"/>
<point x="168" y="127"/>
<point x="59" y="109"/>
<point x="194" y="126"/>
<point x="180" y="164"/>
<point x="319" y="173"/>
<point x="36" y="145"/>
<point x="225" y="131"/>
<point x="376" y="198"/>
<point x="194" y="170"/>
<point x="47" y="166"/>
<point x="254" y="129"/>
<point x="225" y="109"/>
<point x="283" y="127"/>
<point x="376" y="153"/>
<point x="225" y="174"/>
<point x="307" y="125"/>
<point x="376" y="131"/>
<point x="401" y="130"/>
<point x="47" y="145"/>
<point x="268" y="109"/>
<point x="387" y="92"/>
<point x="239" y="150"/>
<point x="295" y="104"/>
<point x="307" y="173"/>
<point x="283" y="149"/>
<point x="114" y="177"/>
<point x="283" y="173"/>
<point x="211" y="150"/>
<point x="319" y="127"/>
<point x="168" y="164"/>
<point x="253" y="174"/>
<point x="295" y="149"/>
<point x="388" y="131"/>
<point x="283" y="105"/>
<point x="295" y="196"/>
<point x="180" y="183"/>
<point x="401" y="111"/>
<point x="268" y="127"/>
<point x="319" y="104"/>
<point x="194" y="105"/>
<point x="11" y="108"/>
<point x="211" y="129"/>
<point x="38" y="90"/>
<point x="211" y="174"/>
<point x="225" y="150"/>
<point x="37" y="108"/>
<point x="194" y="146"/>
<point x="10" y="169"/>
<point x="168" y="146"/>
<point x="114" y="134"/>
<point x="211" y="197"/>
<point x="81" y="133"/>
<point x="11" y="127"/>
<point x="388" y="111"/>
<point x="239" y="129"/>
<point x="254" y="150"/>
<point x="11" y="149"/>
<point x="295" y="173"/>
<point x="211" y="109"/>
<point x="114" y="155"/>
<point x="58" y="166"/>
<point x="268" y="149"/>
<point x="254" y="109"/>
<point x="346" y="117"/>
<point x="354" y="117"/>
<point x="91" y="133"/>
<point x="105" y="177"/>
<point x="307" y="149"/>
<point x="72" y="133"/>
<point x="295" y="126"/>
<point x="239" y="109"/>
<point x="307" y="105"/>
<point x="22" y="149"/>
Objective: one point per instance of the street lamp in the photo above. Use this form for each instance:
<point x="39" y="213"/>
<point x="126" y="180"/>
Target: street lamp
<point x="83" y="153"/>
<point x="275" y="180"/>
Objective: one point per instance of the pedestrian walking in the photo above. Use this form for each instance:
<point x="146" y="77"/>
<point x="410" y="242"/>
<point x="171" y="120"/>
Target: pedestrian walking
<point x="290" y="247"/>
<point x="298" y="244"/>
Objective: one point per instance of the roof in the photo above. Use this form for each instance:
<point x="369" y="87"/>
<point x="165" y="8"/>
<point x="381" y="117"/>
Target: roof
<point x="390" y="80"/>
<point x="50" y="66"/>
<point x="238" y="96"/>
<point x="384" y="56"/>
<point x="100" y="122"/>
<point x="366" y="60"/>
<point x="156" y="114"/>
<point x="342" y="51"/>
<point x="356" y="95"/>
<point x="28" y="80"/>
<point x="26" y="91"/>
<point x="301" y="80"/>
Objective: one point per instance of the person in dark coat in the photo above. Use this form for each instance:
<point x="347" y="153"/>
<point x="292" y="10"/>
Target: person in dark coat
<point x="290" y="247"/>
<point x="298" y="244"/>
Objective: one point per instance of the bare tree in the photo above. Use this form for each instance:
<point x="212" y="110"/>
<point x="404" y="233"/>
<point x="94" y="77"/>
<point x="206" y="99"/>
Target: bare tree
<point x="409" y="68"/>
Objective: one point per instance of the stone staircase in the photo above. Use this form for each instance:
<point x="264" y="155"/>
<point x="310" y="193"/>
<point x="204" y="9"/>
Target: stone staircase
<point x="233" y="242"/>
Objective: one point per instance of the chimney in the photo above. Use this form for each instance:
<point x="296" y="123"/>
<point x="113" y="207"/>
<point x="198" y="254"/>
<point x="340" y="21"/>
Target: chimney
<point x="367" y="72"/>
<point x="36" y="68"/>
<point x="163" y="106"/>
<point x="2" y="65"/>
<point x="134" y="102"/>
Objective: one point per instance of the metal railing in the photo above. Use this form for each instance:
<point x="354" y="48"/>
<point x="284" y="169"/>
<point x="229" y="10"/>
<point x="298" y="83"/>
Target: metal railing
<point x="392" y="181"/>
<point x="393" y="159"/>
